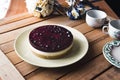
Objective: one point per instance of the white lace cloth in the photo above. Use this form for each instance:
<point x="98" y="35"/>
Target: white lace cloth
<point x="4" y="6"/>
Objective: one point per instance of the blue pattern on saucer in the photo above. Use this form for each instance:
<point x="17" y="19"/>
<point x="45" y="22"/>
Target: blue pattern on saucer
<point x="107" y="52"/>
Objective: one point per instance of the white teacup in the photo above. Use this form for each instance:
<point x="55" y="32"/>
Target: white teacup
<point x="113" y="29"/>
<point x="96" y="18"/>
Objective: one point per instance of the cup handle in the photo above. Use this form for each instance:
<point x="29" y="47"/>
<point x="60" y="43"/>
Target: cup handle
<point x="108" y="19"/>
<point x="105" y="29"/>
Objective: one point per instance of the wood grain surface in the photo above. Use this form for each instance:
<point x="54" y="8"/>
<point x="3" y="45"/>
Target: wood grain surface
<point x="92" y="67"/>
<point x="7" y="70"/>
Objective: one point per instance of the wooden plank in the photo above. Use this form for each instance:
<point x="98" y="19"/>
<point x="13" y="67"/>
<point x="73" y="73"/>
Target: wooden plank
<point x="7" y="70"/>
<point x="26" y="68"/>
<point x="94" y="35"/>
<point x="7" y="47"/>
<point x="14" y="18"/>
<point x="111" y="74"/>
<point x="13" y="57"/>
<point x="22" y="65"/>
<point x="84" y="28"/>
<point x="89" y="70"/>
<point x="47" y="74"/>
<point x="19" y="24"/>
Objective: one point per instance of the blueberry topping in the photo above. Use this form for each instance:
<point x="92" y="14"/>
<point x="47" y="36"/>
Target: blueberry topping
<point x="50" y="38"/>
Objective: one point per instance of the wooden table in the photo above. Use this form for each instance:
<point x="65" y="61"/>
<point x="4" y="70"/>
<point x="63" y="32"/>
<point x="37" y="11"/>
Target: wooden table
<point x="92" y="67"/>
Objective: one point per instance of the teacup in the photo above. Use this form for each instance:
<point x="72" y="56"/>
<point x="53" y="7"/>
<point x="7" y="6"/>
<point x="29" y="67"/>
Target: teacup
<point x="113" y="29"/>
<point x="96" y="18"/>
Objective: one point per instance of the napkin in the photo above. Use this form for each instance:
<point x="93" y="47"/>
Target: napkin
<point x="4" y="6"/>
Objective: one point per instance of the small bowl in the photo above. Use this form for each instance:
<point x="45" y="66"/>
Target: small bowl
<point x="111" y="52"/>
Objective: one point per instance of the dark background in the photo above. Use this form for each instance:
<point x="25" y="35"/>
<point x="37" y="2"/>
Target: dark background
<point x="115" y="5"/>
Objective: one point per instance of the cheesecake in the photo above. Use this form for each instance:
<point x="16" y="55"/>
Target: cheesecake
<point x="50" y="41"/>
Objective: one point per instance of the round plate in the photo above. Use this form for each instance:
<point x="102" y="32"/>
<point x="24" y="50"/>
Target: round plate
<point x="111" y="52"/>
<point x="78" y="51"/>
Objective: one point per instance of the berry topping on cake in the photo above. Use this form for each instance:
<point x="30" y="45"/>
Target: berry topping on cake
<point x="50" y="38"/>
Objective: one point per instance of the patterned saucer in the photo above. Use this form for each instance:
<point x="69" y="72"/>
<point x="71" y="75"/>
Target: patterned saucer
<point x="109" y="52"/>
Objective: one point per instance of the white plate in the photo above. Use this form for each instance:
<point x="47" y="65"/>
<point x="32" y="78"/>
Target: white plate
<point x="111" y="52"/>
<point x="78" y="51"/>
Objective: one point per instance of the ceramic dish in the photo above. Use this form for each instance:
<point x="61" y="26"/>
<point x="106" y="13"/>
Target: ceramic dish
<point x="111" y="52"/>
<point x="78" y="51"/>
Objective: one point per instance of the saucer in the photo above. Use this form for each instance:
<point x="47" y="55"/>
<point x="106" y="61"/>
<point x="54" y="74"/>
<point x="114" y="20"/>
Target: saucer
<point x="78" y="51"/>
<point x="111" y="52"/>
